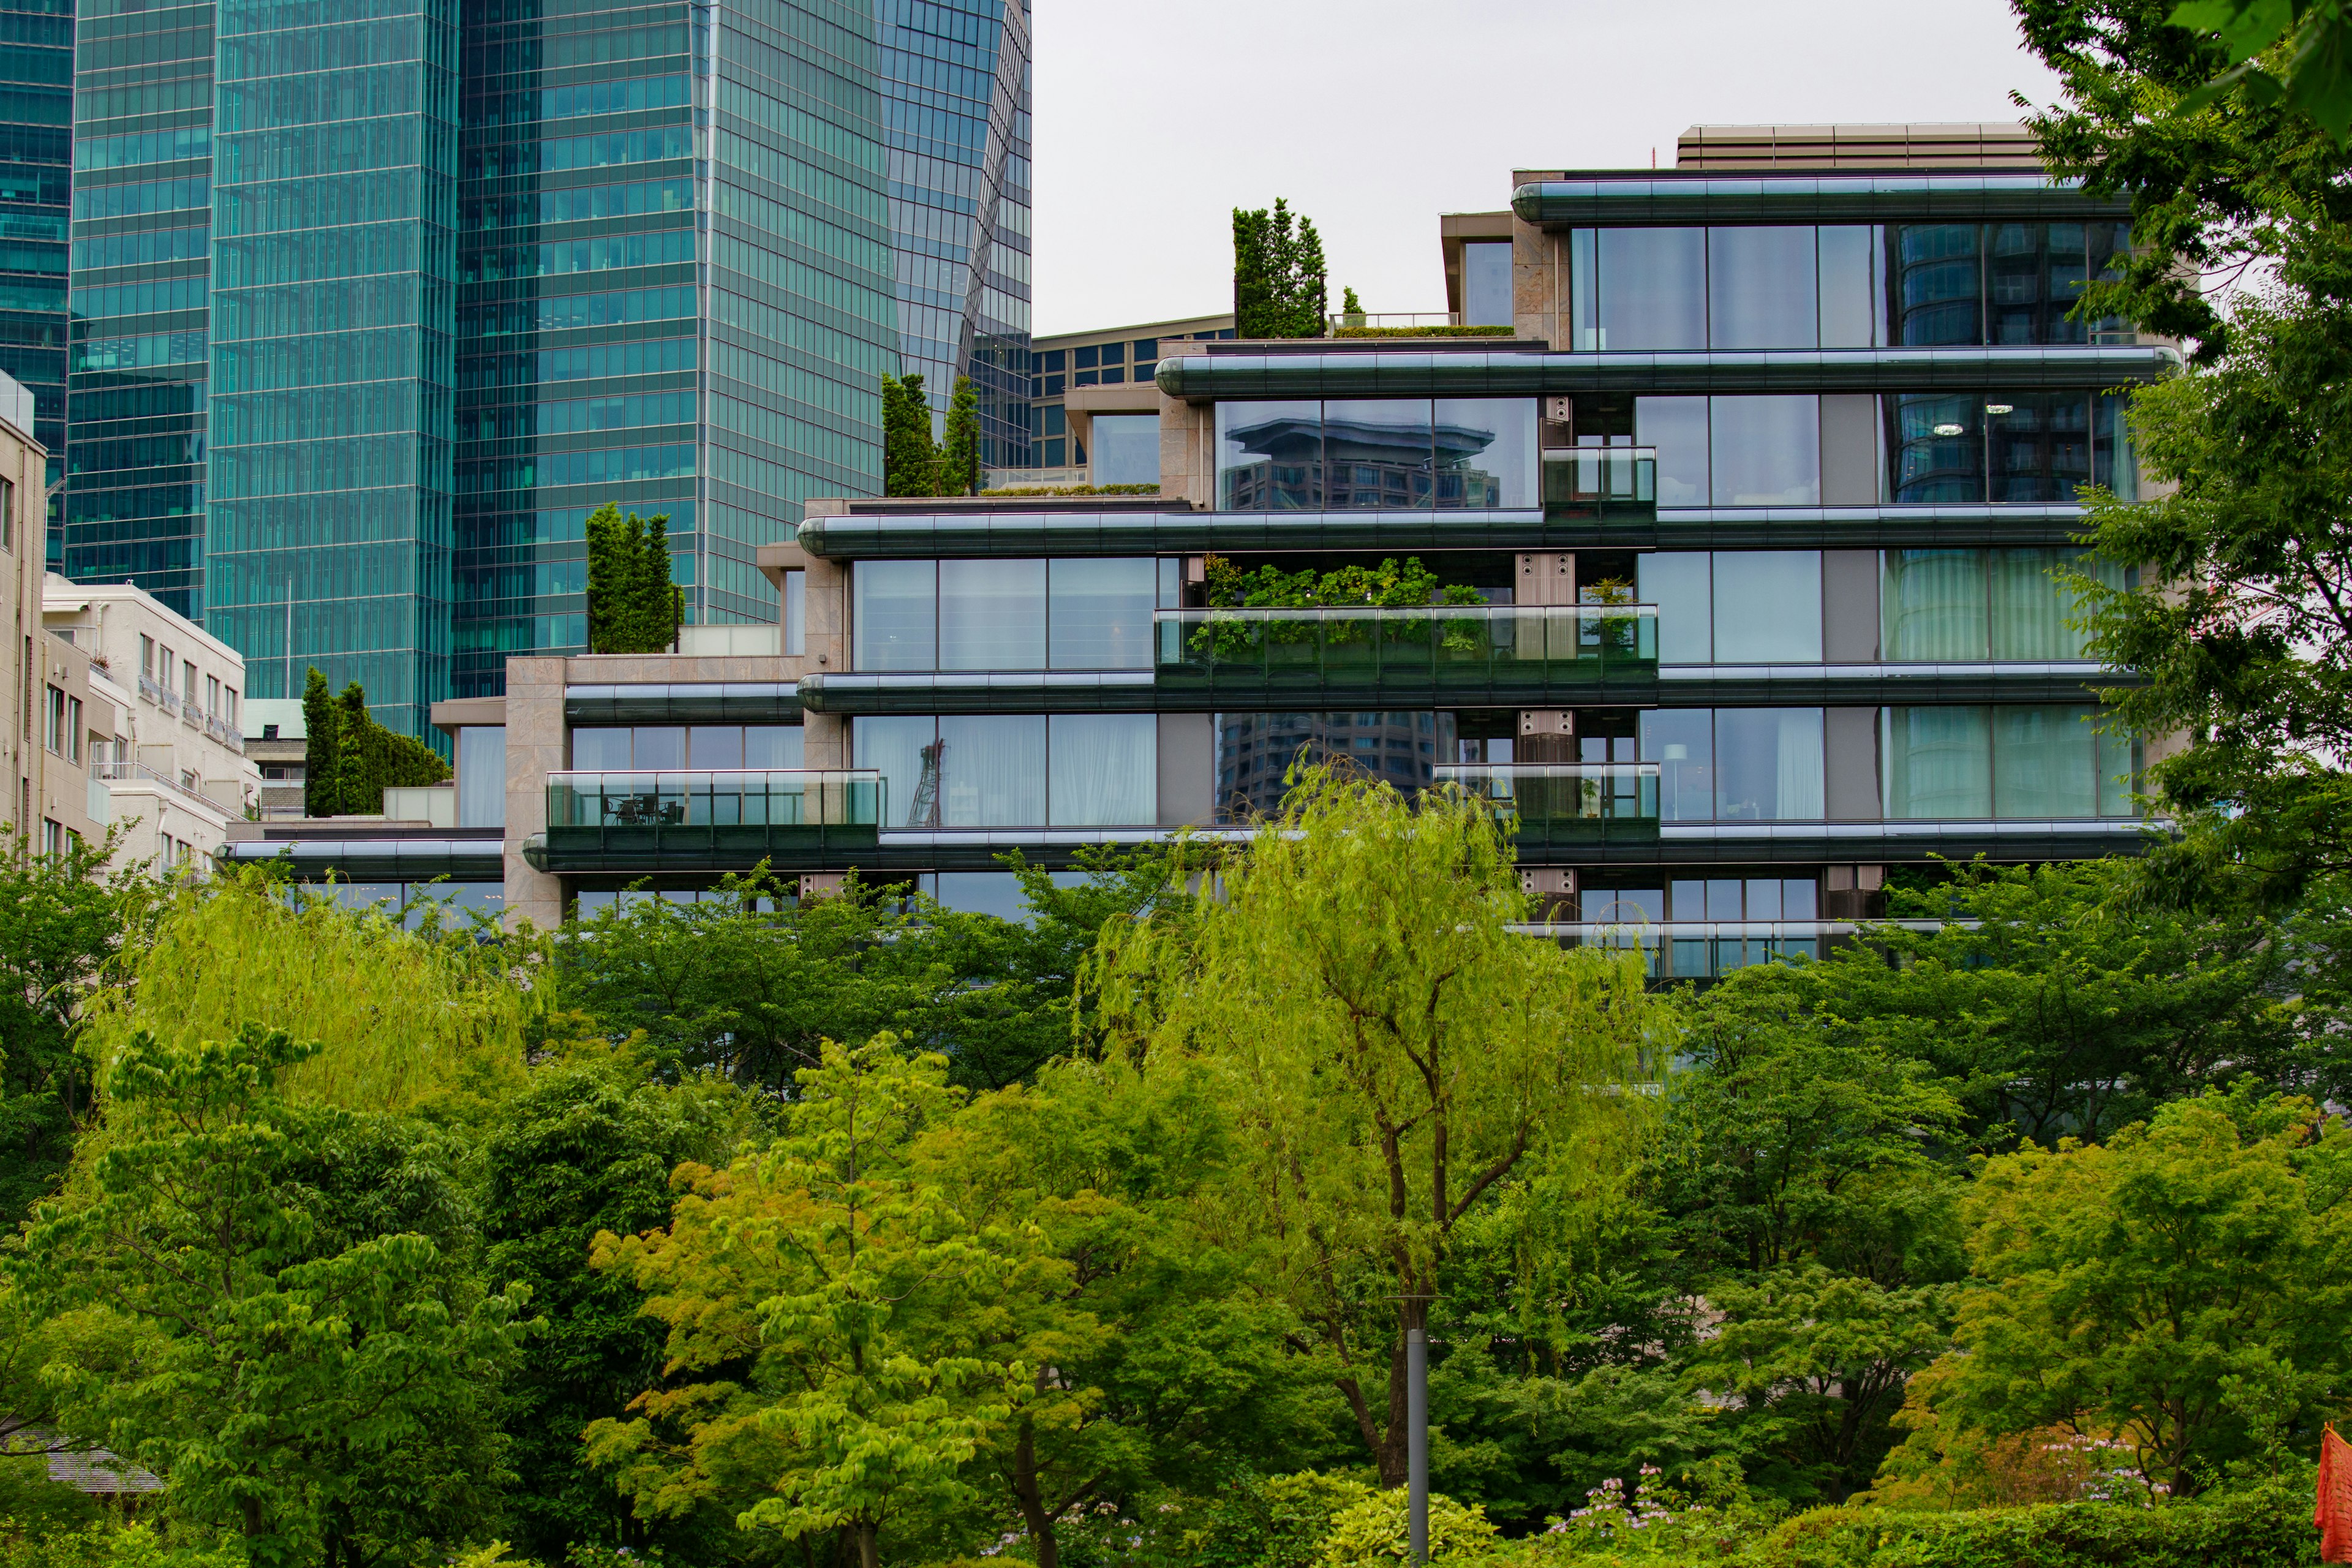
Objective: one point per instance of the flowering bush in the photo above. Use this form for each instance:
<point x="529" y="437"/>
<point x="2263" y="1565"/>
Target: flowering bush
<point x="1377" y="1531"/>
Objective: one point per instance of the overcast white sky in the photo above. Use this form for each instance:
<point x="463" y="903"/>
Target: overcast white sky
<point x="1156" y="118"/>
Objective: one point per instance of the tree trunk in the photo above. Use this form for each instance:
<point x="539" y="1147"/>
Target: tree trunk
<point x="869" y="1554"/>
<point x="1028" y="1496"/>
<point x="1393" y="1451"/>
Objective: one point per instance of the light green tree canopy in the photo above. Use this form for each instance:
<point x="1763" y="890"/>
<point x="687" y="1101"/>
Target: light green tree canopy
<point x="1393" y="1052"/>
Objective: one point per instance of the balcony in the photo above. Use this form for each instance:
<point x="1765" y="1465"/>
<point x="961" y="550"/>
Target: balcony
<point x="1606" y="482"/>
<point x="1567" y="804"/>
<point x="139" y="774"/>
<point x="224" y="733"/>
<point x="160" y="695"/>
<point x="1472" y="654"/>
<point x="704" y="821"/>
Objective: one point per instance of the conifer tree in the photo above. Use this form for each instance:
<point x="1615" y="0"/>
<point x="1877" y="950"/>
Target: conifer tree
<point x="349" y="758"/>
<point x="910" y="457"/>
<point x="959" y="459"/>
<point x="1281" y="288"/>
<point x="321" y="732"/>
<point x="633" y="606"/>
<point x="1309" y="302"/>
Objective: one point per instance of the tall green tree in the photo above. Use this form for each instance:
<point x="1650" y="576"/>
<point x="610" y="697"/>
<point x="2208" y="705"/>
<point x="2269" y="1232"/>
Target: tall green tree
<point x="2238" y="616"/>
<point x="314" y="1371"/>
<point x="1281" y="288"/>
<point x="959" y="454"/>
<point x="63" y="920"/>
<point x="2163" y="1287"/>
<point x="349" y="758"/>
<point x="829" y="1287"/>
<point x="910" y="457"/>
<point x="321" y="749"/>
<point x="633" y="604"/>
<point x="586" y="1149"/>
<point x="1397" y="1056"/>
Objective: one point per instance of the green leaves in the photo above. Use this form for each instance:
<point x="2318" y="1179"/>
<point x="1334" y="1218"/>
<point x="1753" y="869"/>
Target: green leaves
<point x="633" y="606"/>
<point x="2136" y="1288"/>
<point x="291" y="1382"/>
<point x="1280" y="288"/>
<point x="1398" y="1056"/>
<point x="349" y="758"/>
<point x="2312" y="39"/>
<point x="913" y="464"/>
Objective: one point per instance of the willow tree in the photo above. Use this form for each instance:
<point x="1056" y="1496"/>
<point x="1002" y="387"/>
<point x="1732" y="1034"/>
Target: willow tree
<point x="1397" y="1057"/>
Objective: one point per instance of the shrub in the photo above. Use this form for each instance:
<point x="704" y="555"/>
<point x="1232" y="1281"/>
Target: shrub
<point x="2264" y="1527"/>
<point x="1376" y="1532"/>
<point x="1004" y="491"/>
<point x="1474" y="331"/>
<point x="1274" y="1523"/>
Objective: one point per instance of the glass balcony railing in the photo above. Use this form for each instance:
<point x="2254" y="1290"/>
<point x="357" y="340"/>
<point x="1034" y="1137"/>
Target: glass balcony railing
<point x="1502" y="654"/>
<point x="1567" y="802"/>
<point x="1593" y="481"/>
<point x="709" y="817"/>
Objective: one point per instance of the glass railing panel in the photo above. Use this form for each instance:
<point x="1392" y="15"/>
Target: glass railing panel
<point x="1364" y="649"/>
<point x="748" y="806"/>
<point x="1563" y="791"/>
<point x="1590" y="479"/>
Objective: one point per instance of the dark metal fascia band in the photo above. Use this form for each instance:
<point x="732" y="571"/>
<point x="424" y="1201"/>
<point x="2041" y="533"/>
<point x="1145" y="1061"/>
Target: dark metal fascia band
<point x="1258" y="377"/>
<point x="683" y="702"/>
<point x="1821" y="198"/>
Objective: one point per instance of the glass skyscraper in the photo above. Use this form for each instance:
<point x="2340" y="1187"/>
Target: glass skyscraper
<point x="956" y="73"/>
<point x="333" y="298"/>
<point x="36" y="158"/>
<point x="457" y="272"/>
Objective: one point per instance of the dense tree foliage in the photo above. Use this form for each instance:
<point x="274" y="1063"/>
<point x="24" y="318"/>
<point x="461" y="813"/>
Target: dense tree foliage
<point x="1281" y="287"/>
<point x="349" y="758"/>
<point x="859" y="1231"/>
<point x="633" y="606"/>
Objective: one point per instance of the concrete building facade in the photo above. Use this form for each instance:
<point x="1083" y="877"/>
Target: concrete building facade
<point x="1756" y="528"/>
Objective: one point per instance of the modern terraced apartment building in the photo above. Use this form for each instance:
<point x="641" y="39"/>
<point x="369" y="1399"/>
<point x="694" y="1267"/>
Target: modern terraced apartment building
<point x="1748" y="539"/>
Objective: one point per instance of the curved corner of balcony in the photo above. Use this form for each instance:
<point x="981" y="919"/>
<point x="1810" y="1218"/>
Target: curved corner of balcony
<point x="1676" y="198"/>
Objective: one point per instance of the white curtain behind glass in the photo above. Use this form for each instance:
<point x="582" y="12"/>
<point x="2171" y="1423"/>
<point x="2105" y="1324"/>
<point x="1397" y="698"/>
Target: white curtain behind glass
<point x="992" y="770"/>
<point x="1105" y="770"/>
<point x="992" y="615"/>
<point x="1938" y="763"/>
<point x="1935" y="605"/>
<point x="2045" y="762"/>
<point x="894" y="747"/>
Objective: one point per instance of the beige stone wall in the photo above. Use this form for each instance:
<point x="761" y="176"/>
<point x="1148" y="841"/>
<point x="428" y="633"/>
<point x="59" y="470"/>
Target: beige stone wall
<point x="1188" y="451"/>
<point x="534" y="748"/>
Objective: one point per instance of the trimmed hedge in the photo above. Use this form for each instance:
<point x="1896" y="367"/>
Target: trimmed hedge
<point x="1490" y="332"/>
<point x="2266" y="1528"/>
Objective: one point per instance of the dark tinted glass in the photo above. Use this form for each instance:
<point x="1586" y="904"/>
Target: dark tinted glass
<point x="1936" y="446"/>
<point x="2038" y="444"/>
<point x="1938" y="294"/>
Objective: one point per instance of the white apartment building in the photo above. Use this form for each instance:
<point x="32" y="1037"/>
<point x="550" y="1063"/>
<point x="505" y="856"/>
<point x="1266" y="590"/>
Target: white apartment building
<point x="175" y="770"/>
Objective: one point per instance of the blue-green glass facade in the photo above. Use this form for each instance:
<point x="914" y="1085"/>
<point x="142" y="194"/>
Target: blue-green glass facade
<point x="138" y="366"/>
<point x="380" y="300"/>
<point x="36" y="158"/>
<point x="956" y="73"/>
<point x="578" y="358"/>
<point x="674" y="296"/>
<point x="333" y="314"/>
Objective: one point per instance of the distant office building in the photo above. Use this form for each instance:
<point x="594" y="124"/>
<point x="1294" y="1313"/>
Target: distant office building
<point x="372" y="313"/>
<point x="1072" y="370"/>
<point x="955" y="84"/>
<point x="36" y="165"/>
